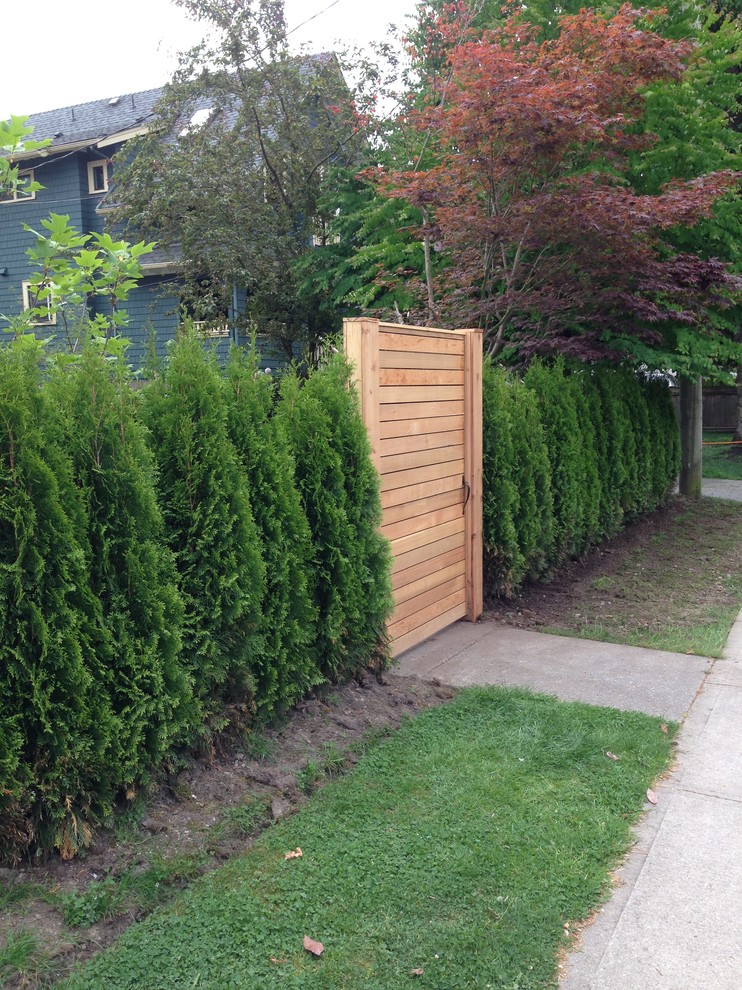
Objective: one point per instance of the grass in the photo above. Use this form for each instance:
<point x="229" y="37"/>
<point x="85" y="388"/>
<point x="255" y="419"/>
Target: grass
<point x="20" y="958"/>
<point x="461" y="846"/>
<point x="720" y="462"/>
<point x="129" y="892"/>
<point x="680" y="589"/>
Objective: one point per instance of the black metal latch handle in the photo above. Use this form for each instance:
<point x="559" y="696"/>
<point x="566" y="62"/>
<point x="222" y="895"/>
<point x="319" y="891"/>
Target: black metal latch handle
<point x="465" y="484"/>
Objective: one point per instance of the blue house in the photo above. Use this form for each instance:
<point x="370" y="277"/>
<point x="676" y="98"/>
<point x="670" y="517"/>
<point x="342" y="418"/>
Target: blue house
<point x="76" y="172"/>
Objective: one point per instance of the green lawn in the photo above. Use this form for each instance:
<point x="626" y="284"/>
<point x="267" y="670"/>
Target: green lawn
<point x="719" y="461"/>
<point x="460" y="847"/>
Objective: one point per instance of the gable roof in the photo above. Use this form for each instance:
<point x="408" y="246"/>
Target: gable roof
<point x="90" y="123"/>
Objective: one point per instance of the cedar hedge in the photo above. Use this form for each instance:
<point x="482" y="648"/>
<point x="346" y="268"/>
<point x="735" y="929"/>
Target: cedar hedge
<point x="570" y="452"/>
<point x="177" y="560"/>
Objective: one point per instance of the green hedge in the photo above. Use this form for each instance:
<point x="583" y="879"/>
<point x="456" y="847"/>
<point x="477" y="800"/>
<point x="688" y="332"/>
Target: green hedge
<point x="176" y="560"/>
<point x="570" y="452"/>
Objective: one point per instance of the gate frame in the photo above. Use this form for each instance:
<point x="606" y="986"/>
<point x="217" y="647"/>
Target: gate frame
<point x="361" y="338"/>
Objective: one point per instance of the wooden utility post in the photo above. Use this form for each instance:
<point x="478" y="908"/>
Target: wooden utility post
<point x="691" y="436"/>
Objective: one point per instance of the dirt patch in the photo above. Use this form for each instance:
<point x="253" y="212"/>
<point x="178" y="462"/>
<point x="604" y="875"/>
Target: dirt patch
<point x="199" y="817"/>
<point x="662" y="577"/>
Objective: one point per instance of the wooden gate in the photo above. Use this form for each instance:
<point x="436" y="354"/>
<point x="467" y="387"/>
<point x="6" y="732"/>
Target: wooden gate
<point x="421" y="393"/>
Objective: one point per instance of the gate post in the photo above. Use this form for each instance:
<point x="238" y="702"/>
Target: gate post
<point x="473" y="473"/>
<point x="361" y="343"/>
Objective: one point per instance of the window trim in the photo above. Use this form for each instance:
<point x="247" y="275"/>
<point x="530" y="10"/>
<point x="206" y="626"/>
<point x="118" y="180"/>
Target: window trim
<point x="37" y="322"/>
<point x="18" y="195"/>
<point x="92" y="165"/>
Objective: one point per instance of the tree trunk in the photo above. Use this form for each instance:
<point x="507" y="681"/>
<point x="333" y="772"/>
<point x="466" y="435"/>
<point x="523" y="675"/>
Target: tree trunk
<point x="737" y="435"/>
<point x="691" y="436"/>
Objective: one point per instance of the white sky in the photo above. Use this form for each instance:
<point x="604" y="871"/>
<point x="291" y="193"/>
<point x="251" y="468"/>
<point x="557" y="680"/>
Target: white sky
<point x="62" y="52"/>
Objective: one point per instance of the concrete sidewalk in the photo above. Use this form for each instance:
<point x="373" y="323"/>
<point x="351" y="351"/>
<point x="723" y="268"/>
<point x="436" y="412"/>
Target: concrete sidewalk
<point x="674" y="921"/>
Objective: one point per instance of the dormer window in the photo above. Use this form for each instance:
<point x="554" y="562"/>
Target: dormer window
<point x="97" y="177"/>
<point x="21" y="192"/>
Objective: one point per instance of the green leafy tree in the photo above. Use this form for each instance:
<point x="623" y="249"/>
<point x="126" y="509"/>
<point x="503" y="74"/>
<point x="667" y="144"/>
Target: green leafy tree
<point x="286" y="669"/>
<point x="210" y="530"/>
<point x="232" y="169"/>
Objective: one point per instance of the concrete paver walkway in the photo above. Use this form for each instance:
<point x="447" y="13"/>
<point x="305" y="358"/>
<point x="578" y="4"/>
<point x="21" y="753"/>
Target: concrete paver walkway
<point x="674" y="922"/>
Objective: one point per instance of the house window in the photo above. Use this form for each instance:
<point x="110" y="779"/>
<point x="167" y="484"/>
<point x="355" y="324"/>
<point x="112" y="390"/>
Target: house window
<point x="97" y="177"/>
<point x="40" y="318"/>
<point x="206" y="304"/>
<point x="20" y="193"/>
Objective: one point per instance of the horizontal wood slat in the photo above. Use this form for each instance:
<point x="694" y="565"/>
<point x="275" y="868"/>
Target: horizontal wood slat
<point x="412" y="359"/>
<point x="410" y="575"/>
<point x="429" y="628"/>
<point x="420" y="377"/>
<point x="403" y="544"/>
<point x="426" y="552"/>
<point x="434" y="578"/>
<point x="420" y="410"/>
<point x="422" y="507"/>
<point x="416" y="619"/>
<point x="421" y="489"/>
<point x="422" y="344"/>
<point x="420" y="427"/>
<point x="420" y="458"/>
<point x="422" y="521"/>
<point x="421" y="441"/>
<point x="443" y="591"/>
<point x="389" y="394"/>
<point x="431" y="472"/>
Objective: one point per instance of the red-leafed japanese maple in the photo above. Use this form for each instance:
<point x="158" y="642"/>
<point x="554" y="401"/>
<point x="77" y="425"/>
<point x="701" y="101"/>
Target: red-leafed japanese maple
<point x="539" y="238"/>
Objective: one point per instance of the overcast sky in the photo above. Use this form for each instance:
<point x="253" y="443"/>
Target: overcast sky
<point x="61" y="52"/>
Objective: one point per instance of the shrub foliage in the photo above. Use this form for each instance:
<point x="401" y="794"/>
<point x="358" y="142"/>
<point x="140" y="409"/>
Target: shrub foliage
<point x="168" y="569"/>
<point x="570" y="452"/>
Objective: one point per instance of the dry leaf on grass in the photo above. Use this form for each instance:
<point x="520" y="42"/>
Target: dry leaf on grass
<point x="294" y="854"/>
<point x="611" y="756"/>
<point x="316" y="948"/>
<point x="417" y="972"/>
<point x="664" y="728"/>
<point x="651" y="796"/>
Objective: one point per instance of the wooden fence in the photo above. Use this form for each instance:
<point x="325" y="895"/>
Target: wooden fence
<point x="719" y="407"/>
<point x="421" y="394"/>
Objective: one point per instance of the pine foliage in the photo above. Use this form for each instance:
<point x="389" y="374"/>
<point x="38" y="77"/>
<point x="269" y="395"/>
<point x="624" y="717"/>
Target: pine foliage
<point x="131" y="571"/>
<point x="58" y="730"/>
<point x="286" y="668"/>
<point x="340" y="494"/>
<point x="210" y="529"/>
<point x="569" y="453"/>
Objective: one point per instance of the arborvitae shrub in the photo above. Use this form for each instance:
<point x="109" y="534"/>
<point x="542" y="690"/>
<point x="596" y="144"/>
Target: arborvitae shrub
<point x="534" y="518"/>
<point x="285" y="669"/>
<point x="580" y="385"/>
<point x="57" y="726"/>
<point x="210" y="530"/>
<point x="613" y="446"/>
<point x="504" y="563"/>
<point x="665" y="439"/>
<point x="131" y="571"/>
<point x="340" y="493"/>
<point x="566" y="451"/>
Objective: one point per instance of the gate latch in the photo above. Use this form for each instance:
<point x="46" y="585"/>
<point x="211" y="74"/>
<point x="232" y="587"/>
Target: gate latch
<point x="467" y="488"/>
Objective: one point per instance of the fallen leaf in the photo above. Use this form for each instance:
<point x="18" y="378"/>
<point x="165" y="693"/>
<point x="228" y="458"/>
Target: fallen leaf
<point x="664" y="728"/>
<point x="651" y="796"/>
<point x="417" y="972"/>
<point x="611" y="756"/>
<point x="294" y="854"/>
<point x="316" y="948"/>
